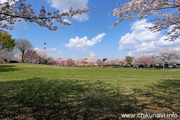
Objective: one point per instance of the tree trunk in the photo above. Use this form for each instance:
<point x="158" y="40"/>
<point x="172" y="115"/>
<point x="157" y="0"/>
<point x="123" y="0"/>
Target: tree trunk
<point x="153" y="66"/>
<point x="22" y="56"/>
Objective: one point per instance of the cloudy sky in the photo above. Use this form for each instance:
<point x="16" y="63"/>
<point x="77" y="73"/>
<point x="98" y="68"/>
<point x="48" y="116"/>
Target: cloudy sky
<point x="90" y="34"/>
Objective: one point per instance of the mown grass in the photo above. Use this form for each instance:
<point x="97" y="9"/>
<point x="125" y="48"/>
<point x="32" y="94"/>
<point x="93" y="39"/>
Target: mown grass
<point x="29" y="91"/>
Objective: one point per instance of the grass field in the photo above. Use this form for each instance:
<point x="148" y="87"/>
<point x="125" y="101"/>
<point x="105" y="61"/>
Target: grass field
<point x="29" y="91"/>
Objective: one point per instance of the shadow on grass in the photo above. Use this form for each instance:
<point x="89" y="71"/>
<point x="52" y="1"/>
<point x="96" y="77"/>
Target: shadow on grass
<point x="74" y="99"/>
<point x="7" y="68"/>
<point x="162" y="98"/>
<point x="62" y="99"/>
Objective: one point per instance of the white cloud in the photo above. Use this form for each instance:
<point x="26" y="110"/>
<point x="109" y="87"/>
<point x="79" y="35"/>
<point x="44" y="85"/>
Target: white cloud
<point x="11" y="2"/>
<point x="68" y="21"/>
<point x="142" y="41"/>
<point x="2" y="1"/>
<point x="144" y="48"/>
<point x="48" y="49"/>
<point x="60" y="53"/>
<point x="82" y="43"/>
<point x="51" y="49"/>
<point x="91" y="54"/>
<point x="65" y="5"/>
<point x="36" y="49"/>
<point x="125" y="47"/>
<point x="162" y="43"/>
<point x="128" y="39"/>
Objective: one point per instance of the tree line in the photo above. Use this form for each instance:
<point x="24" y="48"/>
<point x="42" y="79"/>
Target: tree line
<point x="21" y="50"/>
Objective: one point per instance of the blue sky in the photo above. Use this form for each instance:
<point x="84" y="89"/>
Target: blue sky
<point x="90" y="34"/>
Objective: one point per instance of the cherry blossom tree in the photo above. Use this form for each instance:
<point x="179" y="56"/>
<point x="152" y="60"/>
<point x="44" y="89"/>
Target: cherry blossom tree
<point x="142" y="60"/>
<point x="12" y="11"/>
<point x="155" y="59"/>
<point x="99" y="62"/>
<point x="122" y="61"/>
<point x="169" y="56"/>
<point x="80" y="62"/>
<point x="31" y="56"/>
<point x="49" y="59"/>
<point x="58" y="62"/>
<point x="84" y="62"/>
<point x="165" y="12"/>
<point x="90" y="63"/>
<point x="108" y="62"/>
<point x="116" y="62"/>
<point x="112" y="62"/>
<point x="77" y="62"/>
<point x="68" y="62"/>
<point x="135" y="61"/>
<point x="41" y="56"/>
<point x="44" y="58"/>
<point x="1" y="60"/>
<point x="6" y="55"/>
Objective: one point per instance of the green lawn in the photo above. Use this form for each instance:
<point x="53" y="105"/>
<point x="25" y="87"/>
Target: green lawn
<point x="29" y="91"/>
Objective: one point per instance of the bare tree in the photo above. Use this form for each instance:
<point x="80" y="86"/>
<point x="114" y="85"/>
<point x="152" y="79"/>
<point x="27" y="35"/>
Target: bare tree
<point x="129" y="60"/>
<point x="11" y="10"/>
<point x="166" y="13"/>
<point x="23" y="45"/>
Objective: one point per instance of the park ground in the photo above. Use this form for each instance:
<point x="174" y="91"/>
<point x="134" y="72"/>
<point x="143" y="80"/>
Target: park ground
<point x="30" y="91"/>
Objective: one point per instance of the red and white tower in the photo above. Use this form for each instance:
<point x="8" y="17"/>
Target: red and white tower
<point x="45" y="46"/>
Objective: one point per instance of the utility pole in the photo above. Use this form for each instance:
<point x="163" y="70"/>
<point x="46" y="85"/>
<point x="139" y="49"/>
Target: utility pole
<point x="45" y="47"/>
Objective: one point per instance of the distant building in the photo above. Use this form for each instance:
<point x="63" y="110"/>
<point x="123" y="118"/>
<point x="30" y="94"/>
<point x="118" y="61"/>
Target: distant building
<point x="88" y="59"/>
